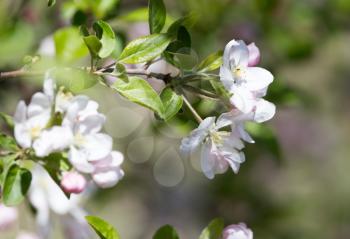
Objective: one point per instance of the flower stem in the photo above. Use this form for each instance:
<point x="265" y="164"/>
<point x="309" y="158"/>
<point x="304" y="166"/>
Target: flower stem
<point x="194" y="112"/>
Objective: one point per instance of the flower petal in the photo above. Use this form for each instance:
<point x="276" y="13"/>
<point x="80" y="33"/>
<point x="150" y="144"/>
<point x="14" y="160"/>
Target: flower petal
<point x="49" y="88"/>
<point x="91" y="124"/>
<point x="208" y="160"/>
<point x="21" y="112"/>
<point x="79" y="160"/>
<point x="243" y="99"/>
<point x="39" y="104"/>
<point x="257" y="78"/>
<point x="108" y="179"/>
<point x="22" y="135"/>
<point x="97" y="146"/>
<point x="254" y="55"/>
<point x="264" y="111"/>
<point x="226" y="77"/>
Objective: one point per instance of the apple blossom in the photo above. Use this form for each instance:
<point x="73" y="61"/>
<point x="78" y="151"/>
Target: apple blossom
<point x="237" y="231"/>
<point x="254" y="55"/>
<point x="220" y="149"/>
<point x="73" y="182"/>
<point x="8" y="216"/>
<point x="248" y="84"/>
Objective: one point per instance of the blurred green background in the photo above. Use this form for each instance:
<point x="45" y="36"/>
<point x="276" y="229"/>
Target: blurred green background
<point x="295" y="183"/>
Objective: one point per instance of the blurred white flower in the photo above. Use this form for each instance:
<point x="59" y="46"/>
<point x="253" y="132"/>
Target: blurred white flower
<point x="27" y="235"/>
<point x="248" y="84"/>
<point x="8" y="217"/>
<point x="47" y="46"/>
<point x="237" y="231"/>
<point x="220" y="149"/>
<point x="73" y="182"/>
<point x="47" y="197"/>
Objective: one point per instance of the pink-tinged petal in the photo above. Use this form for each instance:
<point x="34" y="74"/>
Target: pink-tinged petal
<point x="79" y="160"/>
<point x="108" y="179"/>
<point x="254" y="55"/>
<point x="111" y="162"/>
<point x="243" y="100"/>
<point x="21" y="112"/>
<point x="73" y="182"/>
<point x="237" y="231"/>
<point x="208" y="160"/>
<point x="39" y="104"/>
<point x="257" y="78"/>
<point x="264" y="111"/>
<point x="236" y="54"/>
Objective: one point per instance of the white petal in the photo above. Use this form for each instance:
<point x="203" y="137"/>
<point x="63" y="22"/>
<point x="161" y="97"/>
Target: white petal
<point x="97" y="146"/>
<point x="257" y="78"/>
<point x="39" y="104"/>
<point x="49" y="88"/>
<point x="91" y="124"/>
<point x="226" y="77"/>
<point x="22" y="135"/>
<point x="208" y="160"/>
<point x="108" y="179"/>
<point x="264" y="111"/>
<point x="53" y="140"/>
<point x="243" y="100"/>
<point x="77" y="105"/>
<point x="111" y="162"/>
<point x="79" y="160"/>
<point x="197" y="136"/>
<point x="224" y="120"/>
<point x="236" y="54"/>
<point x="243" y="134"/>
<point x="21" y="112"/>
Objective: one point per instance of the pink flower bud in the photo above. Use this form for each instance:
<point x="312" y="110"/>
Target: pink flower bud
<point x="254" y="54"/>
<point x="8" y="216"/>
<point x="73" y="182"/>
<point x="237" y="231"/>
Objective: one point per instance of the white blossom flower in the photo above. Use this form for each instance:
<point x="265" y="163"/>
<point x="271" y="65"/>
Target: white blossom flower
<point x="46" y="197"/>
<point x="32" y="119"/>
<point x="220" y="149"/>
<point x="237" y="231"/>
<point x="8" y="216"/>
<point x="248" y="84"/>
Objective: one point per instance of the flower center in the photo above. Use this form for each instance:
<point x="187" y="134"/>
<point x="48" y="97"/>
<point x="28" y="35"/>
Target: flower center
<point x="35" y="131"/>
<point x="79" y="140"/>
<point x="218" y="136"/>
<point x="238" y="73"/>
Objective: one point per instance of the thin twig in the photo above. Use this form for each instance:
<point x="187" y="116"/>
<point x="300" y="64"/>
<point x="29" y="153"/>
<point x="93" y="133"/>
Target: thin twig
<point x="194" y="112"/>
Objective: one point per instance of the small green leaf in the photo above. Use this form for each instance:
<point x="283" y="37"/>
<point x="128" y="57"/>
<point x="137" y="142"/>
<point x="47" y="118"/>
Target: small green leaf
<point x="107" y="38"/>
<point x="186" y="21"/>
<point x="16" y="185"/>
<point x="183" y="42"/>
<point x="69" y="45"/>
<point x="212" y="62"/>
<point x="166" y="232"/>
<point x="157" y="15"/>
<point x="5" y="163"/>
<point x="172" y="103"/>
<point x="51" y="3"/>
<point x="103" y="229"/>
<point x="120" y="72"/>
<point x="138" y="15"/>
<point x="144" y="49"/>
<point x="140" y="92"/>
<point x="7" y="119"/>
<point x="7" y="144"/>
<point x="213" y="230"/>
<point x="94" y="45"/>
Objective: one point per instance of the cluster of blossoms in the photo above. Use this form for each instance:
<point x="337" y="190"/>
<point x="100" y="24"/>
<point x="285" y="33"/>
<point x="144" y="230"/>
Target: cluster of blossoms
<point x="248" y="85"/>
<point x="57" y="121"/>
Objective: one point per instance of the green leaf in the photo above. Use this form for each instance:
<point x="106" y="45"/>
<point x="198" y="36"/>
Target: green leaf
<point x="5" y="163"/>
<point x="144" y="49"/>
<point x="212" y="62"/>
<point x="120" y="72"/>
<point x="166" y="232"/>
<point x="186" y="21"/>
<point x="183" y="42"/>
<point x="157" y="15"/>
<point x="103" y="229"/>
<point x="51" y="3"/>
<point x="138" y="15"/>
<point x="69" y="45"/>
<point x="94" y="45"/>
<point x="172" y="103"/>
<point x="140" y="92"/>
<point x="7" y="144"/>
<point x="16" y="185"/>
<point x="213" y="230"/>
<point x="107" y="38"/>
<point x="7" y="119"/>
